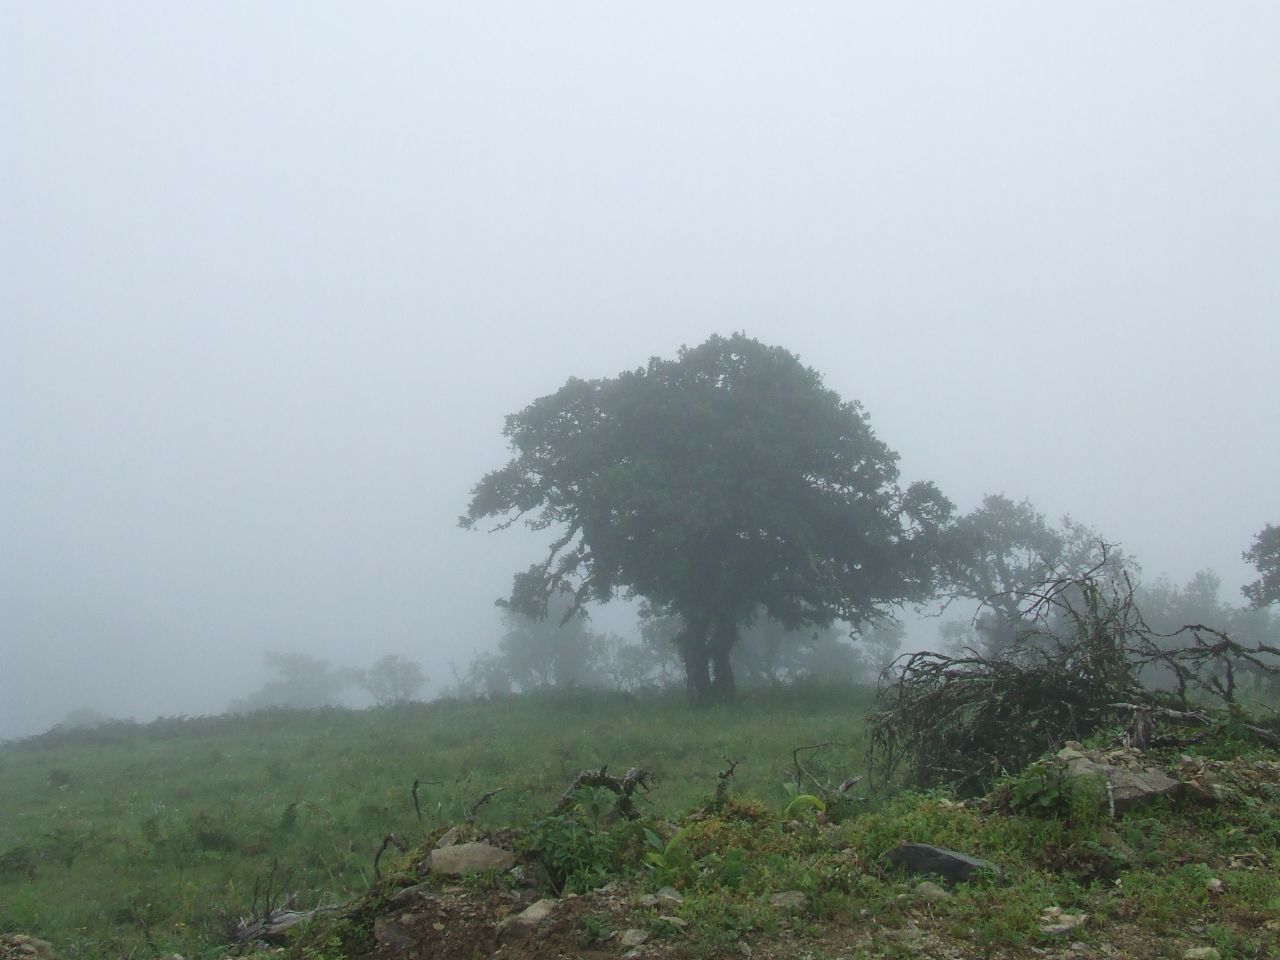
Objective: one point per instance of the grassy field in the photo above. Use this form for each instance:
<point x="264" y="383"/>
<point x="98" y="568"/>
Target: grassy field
<point x="147" y="840"/>
<point x="138" y="840"/>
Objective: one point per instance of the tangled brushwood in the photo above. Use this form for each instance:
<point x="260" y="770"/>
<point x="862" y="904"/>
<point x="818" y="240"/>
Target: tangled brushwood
<point x="1083" y="660"/>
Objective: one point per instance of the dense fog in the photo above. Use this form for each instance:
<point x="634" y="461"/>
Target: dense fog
<point x="273" y="275"/>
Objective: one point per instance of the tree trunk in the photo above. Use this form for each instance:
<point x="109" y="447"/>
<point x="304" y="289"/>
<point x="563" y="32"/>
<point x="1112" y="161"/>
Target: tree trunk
<point x="723" y="638"/>
<point x="692" y="644"/>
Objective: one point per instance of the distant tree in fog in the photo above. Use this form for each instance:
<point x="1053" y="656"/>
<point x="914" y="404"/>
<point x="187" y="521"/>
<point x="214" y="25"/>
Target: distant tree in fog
<point x="392" y="679"/>
<point x="301" y="681"/>
<point x="558" y="650"/>
<point x="995" y="553"/>
<point x="726" y="481"/>
<point x="1264" y="554"/>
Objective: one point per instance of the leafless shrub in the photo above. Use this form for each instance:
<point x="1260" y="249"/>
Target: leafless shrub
<point x="1074" y="668"/>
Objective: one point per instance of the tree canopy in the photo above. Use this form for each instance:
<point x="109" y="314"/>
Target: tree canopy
<point x="1264" y="554"/>
<point x="726" y="482"/>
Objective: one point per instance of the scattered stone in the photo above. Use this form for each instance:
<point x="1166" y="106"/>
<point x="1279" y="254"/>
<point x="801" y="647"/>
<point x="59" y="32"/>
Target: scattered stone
<point x="931" y="891"/>
<point x="535" y="913"/>
<point x="678" y="922"/>
<point x="449" y="838"/>
<point x="665" y="897"/>
<point x="634" y="938"/>
<point x="1202" y="953"/>
<point x="951" y="865"/>
<point x="1131" y="782"/>
<point x="464" y="858"/>
<point x="389" y="933"/>
<point x="1055" y="923"/>
<point x="789" y="900"/>
<point x="1215" y="885"/>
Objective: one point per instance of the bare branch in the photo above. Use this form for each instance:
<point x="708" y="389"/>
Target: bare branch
<point x="389" y="840"/>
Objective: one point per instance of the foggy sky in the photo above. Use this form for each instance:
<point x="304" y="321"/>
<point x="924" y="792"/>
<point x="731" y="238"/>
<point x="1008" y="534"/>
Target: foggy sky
<point x="272" y="274"/>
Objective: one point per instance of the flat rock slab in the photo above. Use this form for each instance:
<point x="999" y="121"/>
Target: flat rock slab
<point x="462" y="858"/>
<point x="951" y="865"/>
<point x="633" y="938"/>
<point x="535" y="913"/>
<point x="1131" y="784"/>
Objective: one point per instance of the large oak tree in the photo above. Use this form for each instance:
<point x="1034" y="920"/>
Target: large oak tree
<point x="721" y="485"/>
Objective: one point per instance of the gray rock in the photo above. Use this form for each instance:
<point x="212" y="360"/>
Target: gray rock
<point x="951" y="865"/>
<point x="464" y="858"/>
<point x="1054" y="921"/>
<point x="449" y="838"/>
<point x="678" y="922"/>
<point x="666" y="897"/>
<point x="1064" y="923"/>
<point x="1131" y="783"/>
<point x="535" y="913"/>
<point x="633" y="938"/>
<point x="1202" y="953"/>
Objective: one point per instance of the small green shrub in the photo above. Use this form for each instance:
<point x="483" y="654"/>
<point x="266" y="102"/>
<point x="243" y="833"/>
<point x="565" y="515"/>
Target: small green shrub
<point x="576" y="857"/>
<point x="1047" y="790"/>
<point x="670" y="860"/>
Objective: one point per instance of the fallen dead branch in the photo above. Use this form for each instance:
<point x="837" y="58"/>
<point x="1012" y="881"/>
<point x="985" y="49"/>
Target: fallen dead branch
<point x="469" y="816"/>
<point x="724" y="778"/>
<point x="625" y="788"/>
<point x="389" y="840"/>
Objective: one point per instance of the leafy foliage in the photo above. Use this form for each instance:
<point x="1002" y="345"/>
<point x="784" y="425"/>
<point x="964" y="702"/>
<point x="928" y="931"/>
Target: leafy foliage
<point x="1264" y="554"/>
<point x="393" y="679"/>
<point x="1048" y="790"/>
<point x="301" y="682"/>
<point x="576" y="854"/>
<point x="716" y="485"/>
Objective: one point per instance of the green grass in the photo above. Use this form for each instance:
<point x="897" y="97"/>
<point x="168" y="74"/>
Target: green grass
<point x="142" y="839"/>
